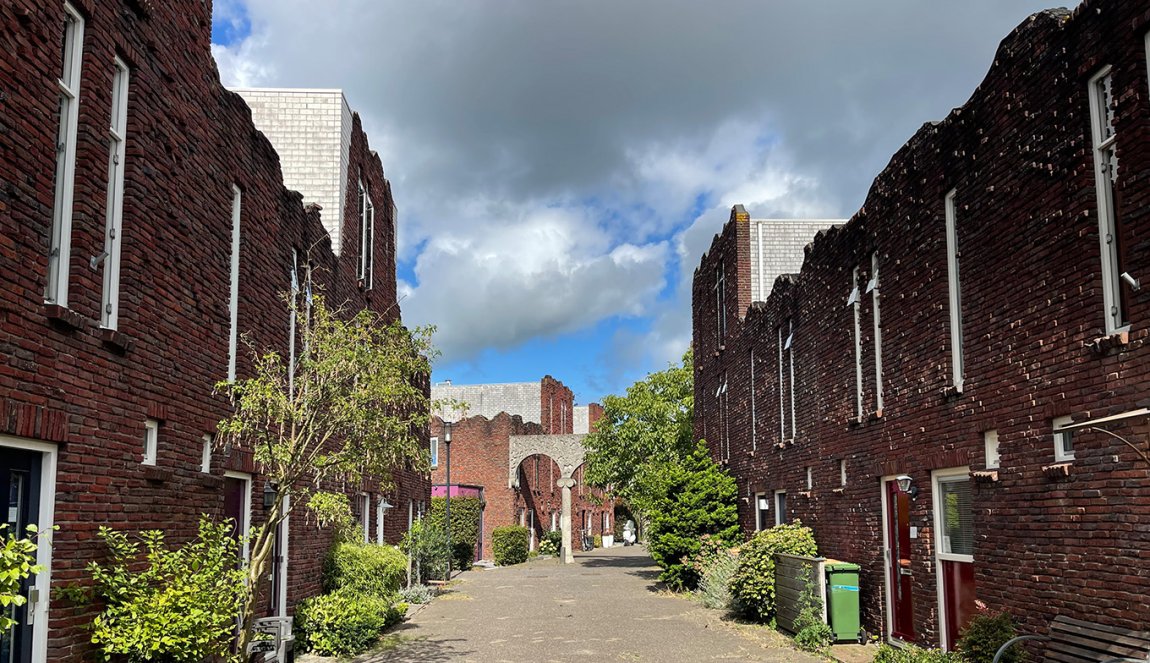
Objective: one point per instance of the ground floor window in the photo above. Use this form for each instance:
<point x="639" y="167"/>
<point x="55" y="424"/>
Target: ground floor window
<point x="780" y="507"/>
<point x="762" y="511"/>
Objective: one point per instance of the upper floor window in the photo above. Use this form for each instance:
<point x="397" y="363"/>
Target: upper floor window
<point x="853" y="301"/>
<point x="434" y="452"/>
<point x="957" y="366"/>
<point x="721" y="300"/>
<point x="786" y="337"/>
<point x="114" y="222"/>
<point x="366" y="238"/>
<point x="151" y="441"/>
<point x="234" y="293"/>
<point x="873" y="288"/>
<point x="1105" y="139"/>
<point x="1063" y="439"/>
<point x="60" y="252"/>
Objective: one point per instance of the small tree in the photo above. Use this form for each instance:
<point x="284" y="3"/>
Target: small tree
<point x="697" y="498"/>
<point x="351" y="404"/>
<point x="17" y="562"/>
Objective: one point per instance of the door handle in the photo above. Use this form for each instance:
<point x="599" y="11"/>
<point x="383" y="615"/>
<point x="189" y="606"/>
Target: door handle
<point x="33" y="600"/>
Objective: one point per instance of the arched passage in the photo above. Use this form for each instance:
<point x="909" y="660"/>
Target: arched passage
<point x="567" y="452"/>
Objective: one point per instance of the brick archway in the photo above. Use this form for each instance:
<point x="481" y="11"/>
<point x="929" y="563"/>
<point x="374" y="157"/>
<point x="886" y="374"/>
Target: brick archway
<point x="567" y="452"/>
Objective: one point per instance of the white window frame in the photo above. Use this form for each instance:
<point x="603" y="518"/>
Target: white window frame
<point x="873" y="288"/>
<point x="366" y="238"/>
<point x="810" y="477"/>
<point x="284" y="535"/>
<point x="760" y="518"/>
<point x="234" y="292"/>
<point x="1104" y="146"/>
<point x="782" y="395"/>
<point x="791" y="360"/>
<point x="856" y="304"/>
<point x="245" y="526"/>
<point x="114" y="220"/>
<point x="365" y="514"/>
<point x="990" y="445"/>
<point x="957" y="361"/>
<point x="151" y="441"/>
<point x="293" y="320"/>
<point x="721" y="300"/>
<point x="434" y="451"/>
<point x="1061" y="438"/>
<point x="842" y="472"/>
<point x="380" y="516"/>
<point x="60" y="251"/>
<point x="206" y="454"/>
<point x="780" y="508"/>
<point x="754" y="418"/>
<point x="938" y="477"/>
<point x="554" y="521"/>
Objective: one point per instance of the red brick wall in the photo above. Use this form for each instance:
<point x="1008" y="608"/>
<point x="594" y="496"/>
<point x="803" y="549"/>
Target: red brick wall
<point x="555" y="404"/>
<point x="188" y="142"/>
<point x="1019" y="154"/>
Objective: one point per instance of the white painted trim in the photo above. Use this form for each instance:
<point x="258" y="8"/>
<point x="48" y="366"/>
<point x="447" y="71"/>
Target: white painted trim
<point x="1111" y="283"/>
<point x="61" y="246"/>
<point x="939" y="557"/>
<point x="759" y="524"/>
<point x="888" y="586"/>
<point x="954" y="288"/>
<point x="780" y="514"/>
<point x="151" y="441"/>
<point x="990" y="449"/>
<point x="365" y="513"/>
<point x="285" y="534"/>
<point x="114" y="216"/>
<point x="855" y="306"/>
<point x="234" y="300"/>
<point x="206" y="454"/>
<point x="38" y="614"/>
<point x="246" y="525"/>
<point x="1056" y="427"/>
<point x="874" y="279"/>
<point x="754" y="419"/>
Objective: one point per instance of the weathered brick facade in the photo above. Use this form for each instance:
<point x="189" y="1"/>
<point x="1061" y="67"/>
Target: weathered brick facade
<point x="81" y="394"/>
<point x="1049" y="538"/>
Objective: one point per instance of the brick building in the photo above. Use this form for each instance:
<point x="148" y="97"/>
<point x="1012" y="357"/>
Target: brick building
<point x="481" y="455"/>
<point x="146" y="234"/>
<point x="976" y="327"/>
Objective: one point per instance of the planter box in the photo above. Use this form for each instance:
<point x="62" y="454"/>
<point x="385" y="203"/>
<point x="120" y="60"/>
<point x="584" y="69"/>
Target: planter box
<point x="608" y="541"/>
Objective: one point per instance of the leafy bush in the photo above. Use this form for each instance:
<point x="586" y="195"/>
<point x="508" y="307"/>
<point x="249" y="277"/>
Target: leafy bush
<point x="427" y="545"/>
<point x="696" y="498"/>
<point x="509" y="545"/>
<point x="547" y="548"/>
<point x="364" y="568"/>
<point x="17" y="562"/>
<point x="912" y="654"/>
<point x="465" y="517"/>
<point x="555" y="537"/>
<point x="597" y="541"/>
<point x="417" y="594"/>
<point x="181" y="606"/>
<point x="753" y="585"/>
<point x="811" y="632"/>
<point x="333" y="510"/>
<point x="344" y="624"/>
<point x="984" y="634"/>
<point x="715" y="578"/>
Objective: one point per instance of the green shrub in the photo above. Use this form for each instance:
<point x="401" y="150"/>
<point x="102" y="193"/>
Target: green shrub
<point x="427" y="545"/>
<point x="418" y="594"/>
<point x="984" y="634"/>
<point x="179" y="605"/>
<point x="811" y="632"/>
<point x="547" y="548"/>
<point x="753" y="585"/>
<point x="17" y="562"/>
<point x="465" y="517"/>
<point x="344" y="624"/>
<point x="509" y="545"/>
<point x="555" y="537"/>
<point x="364" y="568"/>
<point x="597" y="541"/>
<point x="912" y="654"/>
<point x="696" y="498"/>
<point x="715" y="578"/>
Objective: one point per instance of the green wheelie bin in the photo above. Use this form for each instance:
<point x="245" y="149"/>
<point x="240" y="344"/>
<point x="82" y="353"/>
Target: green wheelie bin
<point x="843" y="612"/>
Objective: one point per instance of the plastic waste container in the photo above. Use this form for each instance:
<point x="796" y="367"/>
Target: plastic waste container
<point x="843" y="611"/>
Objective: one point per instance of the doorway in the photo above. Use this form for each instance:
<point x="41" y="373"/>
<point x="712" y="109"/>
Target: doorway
<point x="897" y="557"/>
<point x="954" y="556"/>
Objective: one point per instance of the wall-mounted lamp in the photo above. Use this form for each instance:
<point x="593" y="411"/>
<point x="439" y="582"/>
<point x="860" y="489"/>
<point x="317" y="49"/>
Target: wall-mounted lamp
<point x="906" y="485"/>
<point x="269" y="494"/>
<point x="384" y="505"/>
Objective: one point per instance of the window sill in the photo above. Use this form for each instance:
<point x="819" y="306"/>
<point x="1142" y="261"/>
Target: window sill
<point x="806" y="494"/>
<point x="1058" y="470"/>
<point x="951" y="392"/>
<point x="1113" y="343"/>
<point x="838" y="491"/>
<point x="154" y="474"/>
<point x="117" y="340"/>
<point x="211" y="480"/>
<point x="876" y="415"/>
<point x="984" y="476"/>
<point x="64" y="317"/>
<point x="855" y="422"/>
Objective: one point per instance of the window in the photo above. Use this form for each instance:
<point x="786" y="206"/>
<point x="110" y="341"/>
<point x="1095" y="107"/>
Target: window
<point x="780" y="507"/>
<point x="117" y="134"/>
<point x="843" y="472"/>
<point x="606" y="523"/>
<point x="854" y="303"/>
<point x="810" y="477"/>
<point x="1063" y="440"/>
<point x="554" y="521"/>
<point x="786" y="382"/>
<point x="293" y="320"/>
<point x="60" y="252"/>
<point x="724" y="419"/>
<point x="381" y="507"/>
<point x="721" y="300"/>
<point x="990" y="443"/>
<point x="234" y="301"/>
<point x="238" y="506"/>
<point x="151" y="441"/>
<point x="1105" y="174"/>
<point x="754" y="419"/>
<point x="762" y="511"/>
<point x="206" y="454"/>
<point x="956" y="516"/>
<point x="365" y="515"/>
<point x="873" y="287"/>
<point x="366" y="238"/>
<point x="434" y="452"/>
<point x="956" y="360"/>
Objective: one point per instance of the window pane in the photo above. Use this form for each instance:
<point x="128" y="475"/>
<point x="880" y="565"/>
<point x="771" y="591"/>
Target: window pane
<point x="957" y="517"/>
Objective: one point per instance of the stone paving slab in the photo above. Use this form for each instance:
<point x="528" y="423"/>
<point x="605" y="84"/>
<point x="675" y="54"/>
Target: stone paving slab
<point x="605" y="607"/>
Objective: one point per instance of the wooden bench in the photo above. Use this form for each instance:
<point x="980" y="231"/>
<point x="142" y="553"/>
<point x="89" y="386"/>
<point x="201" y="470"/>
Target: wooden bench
<point x="1076" y="641"/>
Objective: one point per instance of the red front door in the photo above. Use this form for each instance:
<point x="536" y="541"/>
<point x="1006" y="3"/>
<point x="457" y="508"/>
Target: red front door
<point x="898" y="560"/>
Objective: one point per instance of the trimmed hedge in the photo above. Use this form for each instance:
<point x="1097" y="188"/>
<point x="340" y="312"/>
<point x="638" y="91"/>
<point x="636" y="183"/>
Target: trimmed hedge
<point x="509" y="545"/>
<point x="367" y="569"/>
<point x="465" y="516"/>
<point x="344" y="624"/>
<point x="753" y="585"/>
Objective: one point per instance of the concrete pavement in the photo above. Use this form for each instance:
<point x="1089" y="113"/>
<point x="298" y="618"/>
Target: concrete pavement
<point x="607" y="606"/>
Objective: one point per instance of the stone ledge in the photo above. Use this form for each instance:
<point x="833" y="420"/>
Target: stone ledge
<point x="64" y="316"/>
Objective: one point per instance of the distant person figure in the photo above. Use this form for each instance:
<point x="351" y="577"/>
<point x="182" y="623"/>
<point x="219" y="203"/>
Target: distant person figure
<point x="629" y="533"/>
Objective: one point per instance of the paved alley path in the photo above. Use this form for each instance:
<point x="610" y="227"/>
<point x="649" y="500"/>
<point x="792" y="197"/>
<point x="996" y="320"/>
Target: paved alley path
<point x="605" y="607"/>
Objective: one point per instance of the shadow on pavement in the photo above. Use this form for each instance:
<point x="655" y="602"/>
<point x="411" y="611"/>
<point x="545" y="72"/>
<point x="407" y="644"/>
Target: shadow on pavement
<point x="398" y="646"/>
<point x="640" y="566"/>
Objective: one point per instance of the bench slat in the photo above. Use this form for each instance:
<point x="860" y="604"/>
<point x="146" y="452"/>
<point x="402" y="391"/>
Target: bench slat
<point x="1077" y="641"/>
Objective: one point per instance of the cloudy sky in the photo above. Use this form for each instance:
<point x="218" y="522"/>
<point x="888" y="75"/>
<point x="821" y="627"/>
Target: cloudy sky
<point x="560" y="165"/>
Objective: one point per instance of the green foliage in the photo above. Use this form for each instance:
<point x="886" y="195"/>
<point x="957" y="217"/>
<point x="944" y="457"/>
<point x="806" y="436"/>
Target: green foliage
<point x="509" y="545"/>
<point x="697" y="498"/>
<point x="642" y="433"/>
<point x="465" y="516"/>
<point x="597" y="541"/>
<point x="547" y="548"/>
<point x="753" y="585"/>
<point x="180" y="606"/>
<point x="426" y="542"/>
<point x="984" y="634"/>
<point x="715" y="563"/>
<point x="811" y="632"/>
<point x="334" y="510"/>
<point x="364" y="568"/>
<point x="418" y="594"/>
<point x="913" y="654"/>
<point x="344" y="624"/>
<point x="17" y="562"/>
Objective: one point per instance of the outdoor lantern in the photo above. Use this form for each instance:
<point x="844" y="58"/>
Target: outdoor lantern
<point x="269" y="494"/>
<point x="385" y="505"/>
<point x="447" y="432"/>
<point x="906" y="485"/>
